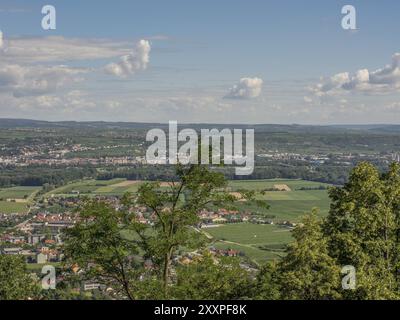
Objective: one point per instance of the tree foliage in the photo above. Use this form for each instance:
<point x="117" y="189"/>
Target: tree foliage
<point x="15" y="282"/>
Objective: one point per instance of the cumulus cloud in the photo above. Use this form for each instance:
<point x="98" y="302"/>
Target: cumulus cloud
<point x="137" y="60"/>
<point x="30" y="66"/>
<point x="384" y="80"/>
<point x="247" y="88"/>
<point x="24" y="81"/>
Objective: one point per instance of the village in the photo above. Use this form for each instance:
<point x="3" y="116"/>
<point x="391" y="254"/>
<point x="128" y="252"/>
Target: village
<point x="38" y="235"/>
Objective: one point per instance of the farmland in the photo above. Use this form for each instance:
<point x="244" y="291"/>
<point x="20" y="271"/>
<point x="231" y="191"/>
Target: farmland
<point x="284" y="205"/>
<point x="114" y="187"/>
<point x="13" y="207"/>
<point x="267" y="242"/>
<point x="17" y="192"/>
<point x="16" y="199"/>
<point x="258" y="242"/>
<point x="287" y="205"/>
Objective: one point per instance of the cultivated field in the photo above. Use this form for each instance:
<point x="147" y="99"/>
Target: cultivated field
<point x="263" y="184"/>
<point x="266" y="242"/>
<point x="287" y="205"/>
<point x="114" y="187"/>
<point x="16" y="199"/>
<point x="258" y="242"/>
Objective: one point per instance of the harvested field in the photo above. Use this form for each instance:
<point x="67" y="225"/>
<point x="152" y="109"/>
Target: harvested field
<point x="282" y="187"/>
<point x="126" y="183"/>
<point x="237" y="195"/>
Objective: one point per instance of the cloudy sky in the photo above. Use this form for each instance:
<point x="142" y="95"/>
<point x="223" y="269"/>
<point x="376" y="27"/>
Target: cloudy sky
<point x="226" y="61"/>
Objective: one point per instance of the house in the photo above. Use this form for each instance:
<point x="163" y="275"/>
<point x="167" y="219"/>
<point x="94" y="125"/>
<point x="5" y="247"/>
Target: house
<point x="17" y="239"/>
<point x="35" y="239"/>
<point x="92" y="286"/>
<point x="49" y="241"/>
<point x="12" y="251"/>
<point x="219" y="220"/>
<point x="41" y="258"/>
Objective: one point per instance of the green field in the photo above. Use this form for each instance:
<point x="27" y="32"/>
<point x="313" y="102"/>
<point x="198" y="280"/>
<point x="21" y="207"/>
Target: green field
<point x="16" y="199"/>
<point x="266" y="242"/>
<point x="286" y="205"/>
<point x="17" y="192"/>
<point x="96" y="187"/>
<point x="36" y="267"/>
<point x="114" y="187"/>
<point x="263" y="184"/>
<point x="258" y="242"/>
<point x="13" y="207"/>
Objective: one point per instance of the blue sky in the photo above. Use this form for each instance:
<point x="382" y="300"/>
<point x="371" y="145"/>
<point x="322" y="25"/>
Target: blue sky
<point x="202" y="61"/>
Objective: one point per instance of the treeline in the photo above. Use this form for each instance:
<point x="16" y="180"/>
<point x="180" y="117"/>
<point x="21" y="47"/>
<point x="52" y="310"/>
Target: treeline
<point x="57" y="176"/>
<point x="39" y="175"/>
<point x="324" y="174"/>
<point x="139" y="172"/>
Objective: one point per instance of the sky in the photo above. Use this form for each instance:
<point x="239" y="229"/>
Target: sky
<point x="226" y="61"/>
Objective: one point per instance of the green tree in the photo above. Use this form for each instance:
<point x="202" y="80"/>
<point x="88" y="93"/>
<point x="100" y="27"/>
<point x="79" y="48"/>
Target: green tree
<point x="15" y="282"/>
<point x="307" y="272"/>
<point x="209" y="277"/>
<point x="363" y="230"/>
<point x="176" y="208"/>
<point x="96" y="245"/>
<point x="267" y="283"/>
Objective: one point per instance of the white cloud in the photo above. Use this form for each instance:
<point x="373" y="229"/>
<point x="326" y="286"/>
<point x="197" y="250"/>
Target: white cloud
<point x="59" y="49"/>
<point x="393" y="107"/>
<point x="137" y="60"/>
<point x="247" y="88"/>
<point x="380" y="81"/>
<point x="28" y="66"/>
<point x="307" y="99"/>
<point x="71" y="102"/>
<point x="24" y="81"/>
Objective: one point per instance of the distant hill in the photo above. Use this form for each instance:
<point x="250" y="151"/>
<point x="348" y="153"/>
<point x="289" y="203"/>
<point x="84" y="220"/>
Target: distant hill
<point x="27" y="123"/>
<point x="384" y="128"/>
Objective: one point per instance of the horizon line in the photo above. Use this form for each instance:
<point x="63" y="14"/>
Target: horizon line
<point x="198" y="123"/>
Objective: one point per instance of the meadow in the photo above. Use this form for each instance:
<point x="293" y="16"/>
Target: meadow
<point x="286" y="205"/>
<point x="258" y="242"/>
<point x="17" y="192"/>
<point x="267" y="242"/>
<point x="13" y="207"/>
<point x="16" y="199"/>
<point x="114" y="187"/>
<point x="293" y="184"/>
